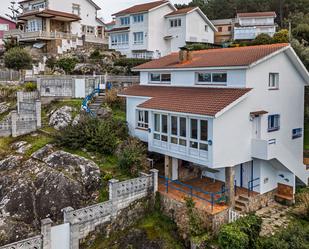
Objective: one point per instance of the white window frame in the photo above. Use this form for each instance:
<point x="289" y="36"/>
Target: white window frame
<point x="141" y="122"/>
<point x="175" y="23"/>
<point x="119" y="39"/>
<point x="138" y="18"/>
<point x="160" y="81"/>
<point x="198" y="141"/>
<point x="125" y="21"/>
<point x="76" y="9"/>
<point x="160" y="133"/>
<point x="273" y="81"/>
<point x="211" y="82"/>
<point x="138" y="38"/>
<point x="34" y="25"/>
<point x="36" y="6"/>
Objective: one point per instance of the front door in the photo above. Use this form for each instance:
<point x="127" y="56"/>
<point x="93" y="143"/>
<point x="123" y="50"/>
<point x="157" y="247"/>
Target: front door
<point x="256" y="127"/>
<point x="245" y="174"/>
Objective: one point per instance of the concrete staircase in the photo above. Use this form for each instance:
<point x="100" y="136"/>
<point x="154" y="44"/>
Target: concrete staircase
<point x="96" y="104"/>
<point x="241" y="203"/>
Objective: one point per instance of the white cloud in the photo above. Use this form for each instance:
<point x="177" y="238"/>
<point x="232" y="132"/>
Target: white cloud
<point x="108" y="6"/>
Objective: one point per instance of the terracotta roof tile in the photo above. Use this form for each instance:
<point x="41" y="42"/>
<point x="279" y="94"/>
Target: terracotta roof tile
<point x="181" y="11"/>
<point x="51" y="13"/>
<point x="192" y="100"/>
<point x="140" y="8"/>
<point x="223" y="57"/>
<point x="257" y="14"/>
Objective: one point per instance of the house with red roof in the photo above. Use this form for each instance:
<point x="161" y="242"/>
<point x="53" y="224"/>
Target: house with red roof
<point x="5" y="25"/>
<point x="249" y="25"/>
<point x="155" y="29"/>
<point x="58" y="26"/>
<point x="232" y="116"/>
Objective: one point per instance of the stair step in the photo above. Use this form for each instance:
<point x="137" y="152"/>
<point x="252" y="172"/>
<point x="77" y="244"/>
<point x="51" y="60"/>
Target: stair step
<point x="243" y="198"/>
<point x="239" y="208"/>
<point x="241" y="203"/>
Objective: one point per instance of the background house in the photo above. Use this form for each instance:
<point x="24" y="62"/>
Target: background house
<point x="225" y="29"/>
<point x="5" y="25"/>
<point x="156" y="29"/>
<point x="59" y="25"/>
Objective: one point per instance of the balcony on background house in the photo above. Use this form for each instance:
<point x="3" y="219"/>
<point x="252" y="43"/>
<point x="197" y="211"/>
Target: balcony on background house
<point x="37" y="35"/>
<point x="263" y="149"/>
<point x="247" y="33"/>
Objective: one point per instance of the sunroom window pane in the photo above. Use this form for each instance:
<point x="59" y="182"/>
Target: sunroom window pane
<point x="174" y="126"/>
<point x="204" y="133"/>
<point x="193" y="128"/>
<point x="204" y="77"/>
<point x="183" y="127"/>
<point x="155" y="77"/>
<point x="157" y="122"/>
<point x="164" y="123"/>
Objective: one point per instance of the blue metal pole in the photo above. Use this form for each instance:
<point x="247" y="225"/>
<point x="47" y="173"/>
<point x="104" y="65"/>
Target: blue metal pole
<point x="166" y="183"/>
<point x="212" y="201"/>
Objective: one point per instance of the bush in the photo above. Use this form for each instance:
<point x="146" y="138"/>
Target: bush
<point x="96" y="55"/>
<point x="198" y="46"/>
<point x="51" y="63"/>
<point x="112" y="99"/>
<point x="17" y="58"/>
<point x="132" y="157"/>
<point x="93" y="134"/>
<point x="262" y="39"/>
<point x="30" y="87"/>
<point x="241" y="234"/>
<point x="281" y="36"/>
<point x="129" y="63"/>
<point x="302" y="205"/>
<point x="231" y="237"/>
<point x="67" y="64"/>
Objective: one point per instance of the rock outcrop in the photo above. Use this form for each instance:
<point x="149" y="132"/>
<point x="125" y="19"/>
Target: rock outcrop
<point x="61" y="117"/>
<point x="40" y="187"/>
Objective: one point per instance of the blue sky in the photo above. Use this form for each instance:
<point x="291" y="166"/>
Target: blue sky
<point x="108" y="6"/>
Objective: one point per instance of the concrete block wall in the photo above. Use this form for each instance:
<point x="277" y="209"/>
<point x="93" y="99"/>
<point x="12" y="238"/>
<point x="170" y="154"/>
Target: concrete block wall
<point x="31" y="243"/>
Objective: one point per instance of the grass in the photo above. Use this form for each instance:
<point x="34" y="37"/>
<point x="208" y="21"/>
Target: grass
<point x="119" y="114"/>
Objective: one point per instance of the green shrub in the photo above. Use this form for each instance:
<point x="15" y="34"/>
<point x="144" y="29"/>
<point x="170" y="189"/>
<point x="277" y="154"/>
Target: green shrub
<point x="67" y="64"/>
<point x="30" y="87"/>
<point x="231" y="237"/>
<point x="262" y="39"/>
<point x="17" y="58"/>
<point x="95" y="135"/>
<point x="195" y="223"/>
<point x="51" y="63"/>
<point x="281" y="36"/>
<point x="198" y="46"/>
<point x="96" y="55"/>
<point x="129" y="63"/>
<point x="132" y="157"/>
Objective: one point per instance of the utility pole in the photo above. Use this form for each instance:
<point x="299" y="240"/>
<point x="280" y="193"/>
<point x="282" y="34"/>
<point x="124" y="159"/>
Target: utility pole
<point x="290" y="31"/>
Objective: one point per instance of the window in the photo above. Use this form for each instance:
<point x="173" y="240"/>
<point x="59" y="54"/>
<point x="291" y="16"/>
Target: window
<point x="34" y="25"/>
<point x="273" y="81"/>
<point x="206" y="28"/>
<point x="142" y="119"/>
<point x="211" y="78"/>
<point x="297" y="133"/>
<point x="138" y="37"/>
<point x="138" y="18"/>
<point x="4" y="27"/>
<point x="219" y="29"/>
<point x="36" y="6"/>
<point x="76" y="9"/>
<point x="229" y="28"/>
<point x="160" y="127"/>
<point x="273" y="122"/>
<point x="199" y="134"/>
<point x="175" y="23"/>
<point x="125" y="21"/>
<point x="90" y="30"/>
<point x="178" y="130"/>
<point x="160" y="77"/>
<point x="120" y="39"/>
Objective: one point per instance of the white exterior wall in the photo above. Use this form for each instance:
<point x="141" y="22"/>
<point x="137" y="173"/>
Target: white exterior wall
<point x="235" y="78"/>
<point x="252" y="21"/>
<point x="195" y="31"/>
<point x="88" y="13"/>
<point x="178" y="34"/>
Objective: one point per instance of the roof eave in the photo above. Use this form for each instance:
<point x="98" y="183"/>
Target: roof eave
<point x="187" y="68"/>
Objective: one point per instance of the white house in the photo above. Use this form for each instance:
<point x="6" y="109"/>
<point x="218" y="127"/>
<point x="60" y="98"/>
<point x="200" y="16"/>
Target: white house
<point x="249" y="25"/>
<point x="58" y="24"/>
<point x="156" y="29"/>
<point x="231" y="111"/>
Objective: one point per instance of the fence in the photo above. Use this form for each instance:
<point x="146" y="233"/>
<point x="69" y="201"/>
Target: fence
<point x="9" y="75"/>
<point x="233" y="216"/>
<point x="85" y="220"/>
<point x="26" y="119"/>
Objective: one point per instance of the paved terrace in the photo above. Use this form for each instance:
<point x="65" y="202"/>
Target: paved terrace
<point x="205" y="184"/>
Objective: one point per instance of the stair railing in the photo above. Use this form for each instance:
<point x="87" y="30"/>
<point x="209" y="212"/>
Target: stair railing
<point x="87" y="100"/>
<point x="251" y="185"/>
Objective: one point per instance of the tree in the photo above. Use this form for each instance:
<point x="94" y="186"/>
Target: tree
<point x="14" y="8"/>
<point x="262" y="39"/>
<point x="301" y="32"/>
<point x="17" y="58"/>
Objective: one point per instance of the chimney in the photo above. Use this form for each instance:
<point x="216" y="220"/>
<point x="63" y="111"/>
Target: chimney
<point x="185" y="55"/>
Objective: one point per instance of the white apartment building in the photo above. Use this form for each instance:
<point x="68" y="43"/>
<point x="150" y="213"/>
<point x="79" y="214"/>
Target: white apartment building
<point x="156" y="29"/>
<point x="249" y="25"/>
<point x="236" y="113"/>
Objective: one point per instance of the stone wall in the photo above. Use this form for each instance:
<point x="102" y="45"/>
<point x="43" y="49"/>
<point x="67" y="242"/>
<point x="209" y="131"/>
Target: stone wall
<point x="177" y="211"/>
<point x="260" y="201"/>
<point x="26" y="119"/>
<point x="31" y="243"/>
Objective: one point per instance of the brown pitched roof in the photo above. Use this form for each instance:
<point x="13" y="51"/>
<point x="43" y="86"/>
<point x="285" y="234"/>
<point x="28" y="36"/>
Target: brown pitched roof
<point x="49" y="13"/>
<point x="223" y="57"/>
<point x="140" y="8"/>
<point x="193" y="100"/>
<point x="90" y="1"/>
<point x="181" y="11"/>
<point x="257" y="14"/>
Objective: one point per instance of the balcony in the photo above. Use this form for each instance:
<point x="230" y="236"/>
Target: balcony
<point x="263" y="149"/>
<point x="95" y="39"/>
<point x="37" y="35"/>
